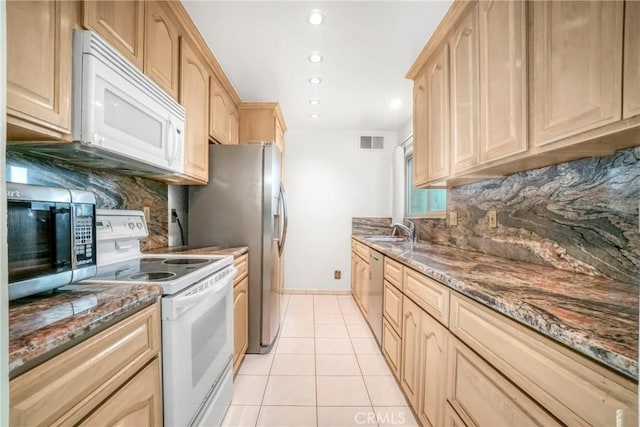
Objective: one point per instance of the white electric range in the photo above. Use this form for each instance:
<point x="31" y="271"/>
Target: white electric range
<point x="197" y="315"/>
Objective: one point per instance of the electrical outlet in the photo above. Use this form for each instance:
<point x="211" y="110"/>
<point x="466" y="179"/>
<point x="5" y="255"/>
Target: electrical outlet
<point x="147" y="213"/>
<point x="493" y="218"/>
<point x="174" y="216"/>
<point x="453" y="218"/>
<point x="337" y="274"/>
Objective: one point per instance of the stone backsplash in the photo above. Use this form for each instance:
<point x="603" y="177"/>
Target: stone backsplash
<point x="370" y="226"/>
<point x="112" y="191"/>
<point x="580" y="216"/>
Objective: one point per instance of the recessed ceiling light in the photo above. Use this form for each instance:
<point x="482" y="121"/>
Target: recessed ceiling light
<point x="314" y="116"/>
<point x="395" y="103"/>
<point x="315" y="80"/>
<point x="315" y="57"/>
<point x="314" y="101"/>
<point x="315" y="17"/>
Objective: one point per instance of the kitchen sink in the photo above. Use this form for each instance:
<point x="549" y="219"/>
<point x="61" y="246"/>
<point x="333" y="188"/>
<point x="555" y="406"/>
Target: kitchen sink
<point x="386" y="239"/>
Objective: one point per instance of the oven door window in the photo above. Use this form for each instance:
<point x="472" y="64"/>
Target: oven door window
<point x="39" y="239"/>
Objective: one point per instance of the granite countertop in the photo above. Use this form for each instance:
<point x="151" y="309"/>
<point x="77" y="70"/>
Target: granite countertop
<point x="42" y="325"/>
<point x="208" y="250"/>
<point x="595" y="316"/>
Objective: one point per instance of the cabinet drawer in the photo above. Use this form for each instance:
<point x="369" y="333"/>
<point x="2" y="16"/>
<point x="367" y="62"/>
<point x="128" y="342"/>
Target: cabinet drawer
<point x="393" y="272"/>
<point x="573" y="388"/>
<point x="391" y="347"/>
<point x="431" y="296"/>
<point x="72" y="383"/>
<point x="392" y="307"/>
<point x="137" y="403"/>
<point x="242" y="265"/>
<point x="361" y="249"/>
<point x="483" y="397"/>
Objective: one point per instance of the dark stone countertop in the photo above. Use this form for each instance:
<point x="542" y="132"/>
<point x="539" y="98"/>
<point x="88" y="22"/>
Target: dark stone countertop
<point x="40" y="326"/>
<point x="595" y="316"/>
<point x="209" y="250"/>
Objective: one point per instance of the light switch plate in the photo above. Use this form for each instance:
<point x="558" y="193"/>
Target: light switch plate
<point x="453" y="218"/>
<point x="493" y="218"/>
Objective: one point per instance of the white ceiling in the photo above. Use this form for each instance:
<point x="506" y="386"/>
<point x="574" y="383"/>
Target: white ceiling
<point x="368" y="46"/>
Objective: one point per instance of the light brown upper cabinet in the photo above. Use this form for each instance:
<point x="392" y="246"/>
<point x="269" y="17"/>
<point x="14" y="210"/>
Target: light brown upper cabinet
<point x="234" y="126"/>
<point x="631" y="76"/>
<point x="438" y="115"/>
<point x="219" y="117"/>
<point x="39" y="42"/>
<point x="419" y="130"/>
<point x="503" y="79"/>
<point x="162" y="47"/>
<point x="194" y="97"/>
<point x="259" y="121"/>
<point x="576" y="80"/>
<point x="121" y="23"/>
<point x="463" y="46"/>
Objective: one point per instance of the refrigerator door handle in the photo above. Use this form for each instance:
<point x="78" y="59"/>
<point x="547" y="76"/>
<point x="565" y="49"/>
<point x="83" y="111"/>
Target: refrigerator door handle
<point x="285" y="225"/>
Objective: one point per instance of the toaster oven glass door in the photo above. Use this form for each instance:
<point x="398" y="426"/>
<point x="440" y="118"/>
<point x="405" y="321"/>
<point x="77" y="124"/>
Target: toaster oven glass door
<point x="39" y="240"/>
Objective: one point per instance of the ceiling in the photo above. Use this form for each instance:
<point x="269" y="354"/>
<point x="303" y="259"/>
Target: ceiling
<point x="368" y="46"/>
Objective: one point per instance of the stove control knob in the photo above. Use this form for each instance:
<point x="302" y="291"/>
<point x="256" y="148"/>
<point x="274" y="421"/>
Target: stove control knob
<point x="131" y="225"/>
<point x="139" y="225"/>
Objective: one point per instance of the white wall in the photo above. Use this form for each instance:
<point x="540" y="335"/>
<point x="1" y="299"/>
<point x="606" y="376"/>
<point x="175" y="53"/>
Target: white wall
<point x="329" y="180"/>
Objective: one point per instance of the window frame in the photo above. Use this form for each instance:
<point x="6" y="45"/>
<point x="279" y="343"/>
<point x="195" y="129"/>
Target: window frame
<point x="408" y="180"/>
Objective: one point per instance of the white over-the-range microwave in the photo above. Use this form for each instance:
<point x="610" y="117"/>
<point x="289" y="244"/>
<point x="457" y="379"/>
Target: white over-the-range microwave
<point x="121" y="119"/>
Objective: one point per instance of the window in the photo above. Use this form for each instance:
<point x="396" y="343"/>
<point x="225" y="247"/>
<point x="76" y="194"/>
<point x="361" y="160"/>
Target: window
<point x="420" y="202"/>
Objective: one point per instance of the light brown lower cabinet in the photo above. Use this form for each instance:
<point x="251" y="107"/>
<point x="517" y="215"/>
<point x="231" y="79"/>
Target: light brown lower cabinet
<point x="392" y="306"/>
<point x="240" y="322"/>
<point x="137" y="403"/>
<point x="485" y="369"/>
<point x="116" y="369"/>
<point x="240" y="310"/>
<point x="483" y="397"/>
<point x="392" y="348"/>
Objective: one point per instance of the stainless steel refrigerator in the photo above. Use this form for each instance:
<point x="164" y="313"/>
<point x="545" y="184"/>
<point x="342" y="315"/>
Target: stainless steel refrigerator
<point x="244" y="205"/>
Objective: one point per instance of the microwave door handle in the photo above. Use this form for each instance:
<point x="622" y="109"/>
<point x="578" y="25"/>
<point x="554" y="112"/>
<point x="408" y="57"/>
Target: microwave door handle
<point x="170" y="152"/>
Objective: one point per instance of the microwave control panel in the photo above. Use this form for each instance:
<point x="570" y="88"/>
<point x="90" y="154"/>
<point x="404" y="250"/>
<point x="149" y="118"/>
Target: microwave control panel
<point x="84" y="236"/>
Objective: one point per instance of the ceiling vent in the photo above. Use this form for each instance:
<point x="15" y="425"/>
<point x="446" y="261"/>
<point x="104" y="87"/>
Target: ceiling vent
<point x="372" y="143"/>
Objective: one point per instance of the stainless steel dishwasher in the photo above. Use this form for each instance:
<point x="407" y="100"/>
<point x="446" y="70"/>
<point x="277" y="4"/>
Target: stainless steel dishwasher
<point x="376" y="265"/>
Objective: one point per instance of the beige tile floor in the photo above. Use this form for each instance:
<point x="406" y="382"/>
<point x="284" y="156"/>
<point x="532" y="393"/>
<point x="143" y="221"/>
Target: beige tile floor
<point x="325" y="370"/>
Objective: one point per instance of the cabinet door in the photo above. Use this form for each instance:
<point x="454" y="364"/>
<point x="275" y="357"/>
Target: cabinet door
<point x="420" y="139"/>
<point x="219" y="117"/>
<point x="483" y="397"/>
<point x="279" y="135"/>
<point x="234" y="126"/>
<point x="451" y="418"/>
<point x="392" y="306"/>
<point x="39" y="44"/>
<point x="438" y="115"/>
<point x="240" y="322"/>
<point x="432" y="363"/>
<point x="162" y="47"/>
<point x="576" y="66"/>
<point x="354" y="267"/>
<point x="409" y="371"/>
<point x="392" y="348"/>
<point x="631" y="94"/>
<point x="503" y="79"/>
<point x="464" y="92"/>
<point x="121" y="23"/>
<point x="364" y="288"/>
<point x="194" y="97"/>
<point x="137" y="403"/>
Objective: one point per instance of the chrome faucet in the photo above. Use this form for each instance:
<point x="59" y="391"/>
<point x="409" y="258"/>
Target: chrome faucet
<point x="409" y="231"/>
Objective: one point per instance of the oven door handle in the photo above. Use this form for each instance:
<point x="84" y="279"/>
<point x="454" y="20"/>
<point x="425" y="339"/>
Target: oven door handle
<point x="181" y="303"/>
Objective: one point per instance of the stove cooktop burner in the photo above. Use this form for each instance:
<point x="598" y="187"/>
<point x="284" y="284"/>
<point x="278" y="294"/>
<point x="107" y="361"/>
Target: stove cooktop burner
<point x="180" y="261"/>
<point x="153" y="276"/>
<point x="148" y="260"/>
